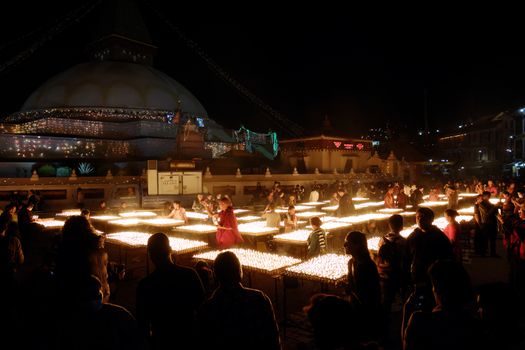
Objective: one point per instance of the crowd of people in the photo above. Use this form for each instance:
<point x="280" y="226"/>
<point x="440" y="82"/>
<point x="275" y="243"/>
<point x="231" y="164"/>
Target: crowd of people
<point x="67" y="302"/>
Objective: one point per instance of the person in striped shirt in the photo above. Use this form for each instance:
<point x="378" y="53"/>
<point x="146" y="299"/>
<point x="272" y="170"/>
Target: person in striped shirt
<point x="316" y="239"/>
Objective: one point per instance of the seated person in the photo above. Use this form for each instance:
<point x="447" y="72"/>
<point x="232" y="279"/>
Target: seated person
<point x="178" y="212"/>
<point x="273" y="219"/>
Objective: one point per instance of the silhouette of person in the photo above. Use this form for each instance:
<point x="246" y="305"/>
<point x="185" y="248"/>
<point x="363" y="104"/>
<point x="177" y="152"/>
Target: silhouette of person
<point x="168" y="298"/>
<point x="236" y="317"/>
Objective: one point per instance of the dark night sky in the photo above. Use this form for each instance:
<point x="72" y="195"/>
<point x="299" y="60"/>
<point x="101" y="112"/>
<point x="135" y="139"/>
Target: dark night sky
<point x="362" y="68"/>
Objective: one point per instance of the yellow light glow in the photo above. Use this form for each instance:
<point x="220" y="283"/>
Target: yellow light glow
<point x="50" y="223"/>
<point x="390" y="210"/>
<point x="199" y="228"/>
<point x="313" y="204"/>
<point x="240" y="211"/>
<point x="299" y="236"/>
<point x="356" y="219"/>
<point x="360" y="199"/>
<point x="325" y="268"/>
<point x="69" y="212"/>
<point x="105" y="217"/>
<point x="441" y="223"/>
<point x="373" y="243"/>
<point x="298" y="208"/>
<point x="257" y="228"/>
<point x="137" y="214"/>
<point x="330" y="208"/>
<point x="310" y="214"/>
<point x="248" y="218"/>
<point x="466" y="211"/>
<point x="408" y="213"/>
<point x="369" y="205"/>
<point x="162" y="222"/>
<point x="432" y="204"/>
<point x="252" y="259"/>
<point x="467" y="195"/>
<point x="140" y="239"/>
<point x="407" y="231"/>
<point x="195" y="215"/>
<point x="126" y="222"/>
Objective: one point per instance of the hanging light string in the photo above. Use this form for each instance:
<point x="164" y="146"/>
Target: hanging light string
<point x="286" y="124"/>
<point x="72" y="17"/>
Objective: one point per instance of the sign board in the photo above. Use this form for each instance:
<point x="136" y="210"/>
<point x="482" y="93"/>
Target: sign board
<point x="175" y="183"/>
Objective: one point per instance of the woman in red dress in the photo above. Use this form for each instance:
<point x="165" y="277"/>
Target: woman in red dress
<point x="453" y="231"/>
<point x="227" y="232"/>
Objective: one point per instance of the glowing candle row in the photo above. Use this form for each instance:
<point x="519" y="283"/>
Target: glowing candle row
<point x="327" y="267"/>
<point x="309" y="214"/>
<point x="50" y="223"/>
<point x="198" y="228"/>
<point x="257" y="227"/>
<point x="373" y="243"/>
<point x="299" y="236"/>
<point x="432" y="204"/>
<point x="140" y="239"/>
<point x="369" y="205"/>
<point x="253" y="259"/>
<point x="137" y="214"/>
<point x="390" y="210"/>
<point x="363" y="218"/>
<point x="248" y="218"/>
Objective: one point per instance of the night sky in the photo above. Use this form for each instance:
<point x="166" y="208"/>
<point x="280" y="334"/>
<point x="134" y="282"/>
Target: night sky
<point x="361" y="68"/>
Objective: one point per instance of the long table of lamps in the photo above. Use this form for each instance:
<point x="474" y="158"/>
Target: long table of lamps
<point x="137" y="214"/>
<point x="197" y="229"/>
<point x="248" y="218"/>
<point x="267" y="263"/>
<point x="257" y="229"/>
<point x="135" y="239"/>
<point x="327" y="268"/>
<point x="298" y="208"/>
<point x="197" y="216"/>
<point x="357" y="219"/>
<point x="310" y="214"/>
<point x="50" y="224"/>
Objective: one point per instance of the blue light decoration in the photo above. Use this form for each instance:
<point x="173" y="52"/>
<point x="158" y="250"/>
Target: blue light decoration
<point x="258" y="142"/>
<point x="200" y="122"/>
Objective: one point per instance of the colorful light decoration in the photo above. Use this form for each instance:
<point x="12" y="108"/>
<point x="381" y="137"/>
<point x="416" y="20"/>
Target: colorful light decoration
<point x="137" y="214"/>
<point x="324" y="268"/>
<point x="140" y="239"/>
<point x="254" y="260"/>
